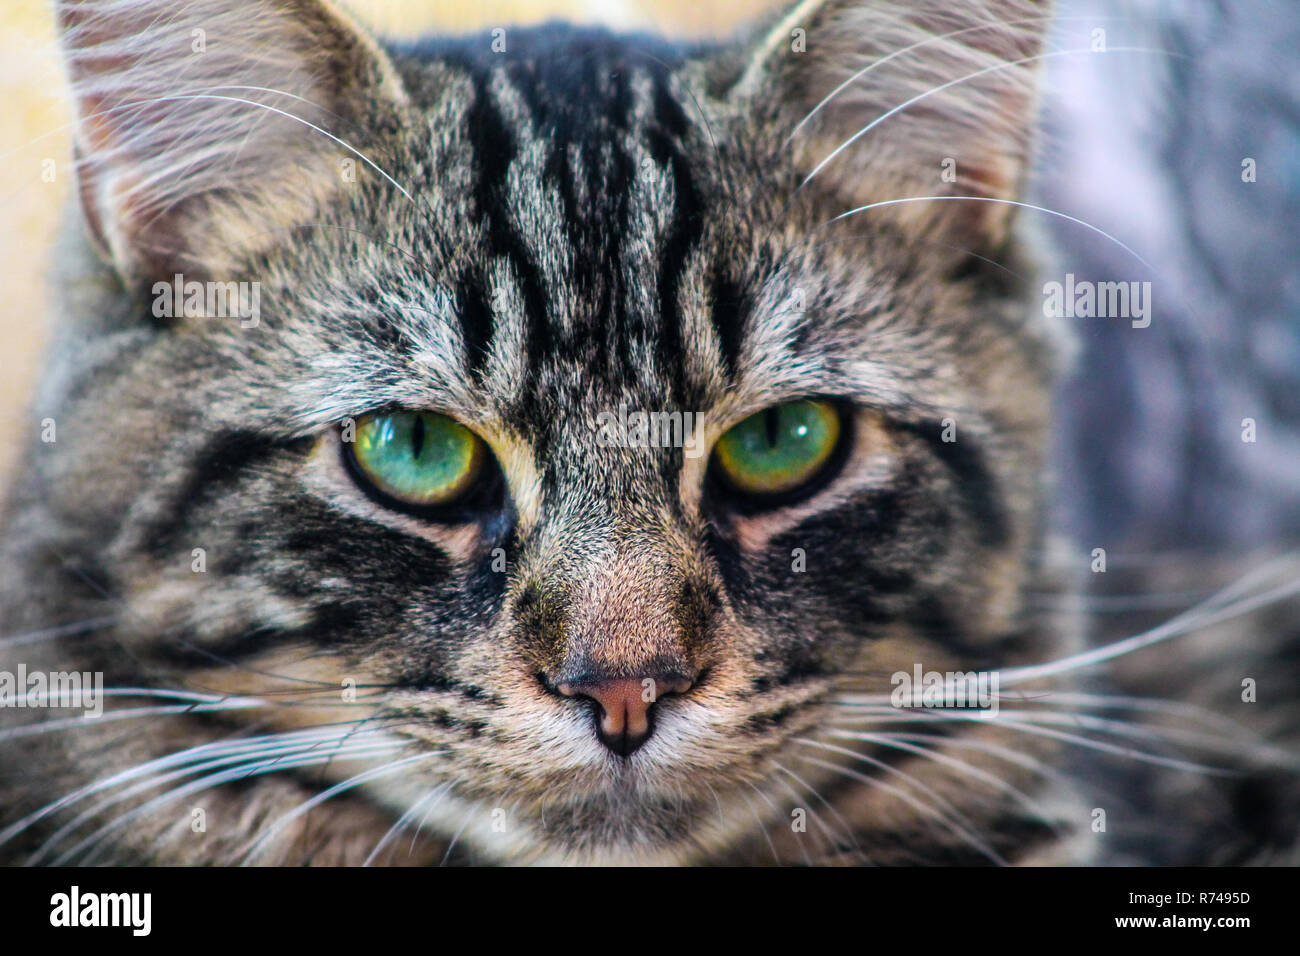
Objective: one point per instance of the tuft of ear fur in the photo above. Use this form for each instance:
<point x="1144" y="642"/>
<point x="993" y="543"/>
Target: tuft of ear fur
<point x="891" y="99"/>
<point x="206" y="127"/>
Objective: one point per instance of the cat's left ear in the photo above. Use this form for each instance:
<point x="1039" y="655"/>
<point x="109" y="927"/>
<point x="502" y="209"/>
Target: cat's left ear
<point x="893" y="99"/>
<point x="206" y="128"/>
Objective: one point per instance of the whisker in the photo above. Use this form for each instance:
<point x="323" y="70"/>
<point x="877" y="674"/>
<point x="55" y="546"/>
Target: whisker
<point x="993" y="199"/>
<point x="1026" y="761"/>
<point x="180" y="758"/>
<point x="1228" y="745"/>
<point x="182" y="97"/>
<point x="962" y="766"/>
<point x="365" y="776"/>
<point x="1223" y="605"/>
<point x="830" y="841"/>
<point x="1193" y="619"/>
<point x="1030" y="727"/>
<point x="424" y="817"/>
<point x="953" y="817"/>
<point x="62" y="630"/>
<point x="919" y="805"/>
<point x="1006" y="65"/>
<point x="240" y="757"/>
<point x="762" y="827"/>
<point x="1152" y="705"/>
<point x="408" y="815"/>
<point x="777" y="809"/>
<point x="455" y="837"/>
<point x="131" y="713"/>
<point x="993" y="25"/>
<point x="214" y="780"/>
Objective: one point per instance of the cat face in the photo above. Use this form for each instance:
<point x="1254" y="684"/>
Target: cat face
<point x="610" y="641"/>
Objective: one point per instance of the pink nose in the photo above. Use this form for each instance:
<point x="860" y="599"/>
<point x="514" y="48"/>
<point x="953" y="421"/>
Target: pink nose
<point x="625" y="703"/>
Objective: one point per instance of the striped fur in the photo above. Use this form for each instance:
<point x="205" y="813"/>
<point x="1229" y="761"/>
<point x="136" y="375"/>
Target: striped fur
<point x="526" y="240"/>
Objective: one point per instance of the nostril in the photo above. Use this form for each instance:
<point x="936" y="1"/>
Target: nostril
<point x="624" y="704"/>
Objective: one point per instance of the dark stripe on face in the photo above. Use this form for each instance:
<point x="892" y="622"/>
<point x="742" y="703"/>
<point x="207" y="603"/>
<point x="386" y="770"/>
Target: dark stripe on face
<point x="727" y="311"/>
<point x="618" y="176"/>
<point x="933" y="620"/>
<point x="686" y="228"/>
<point x="494" y="148"/>
<point x="332" y="626"/>
<point x="596" y="235"/>
<point x="558" y="171"/>
<point x="221" y="462"/>
<point x="475" y="323"/>
<point x="975" y="482"/>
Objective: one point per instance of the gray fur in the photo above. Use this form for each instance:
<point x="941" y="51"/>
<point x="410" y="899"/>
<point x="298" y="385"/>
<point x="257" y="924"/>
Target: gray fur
<point x="583" y="221"/>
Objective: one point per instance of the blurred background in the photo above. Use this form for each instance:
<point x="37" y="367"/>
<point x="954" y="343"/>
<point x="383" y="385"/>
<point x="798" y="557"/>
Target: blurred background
<point x="1148" y="146"/>
<point x="1190" y="154"/>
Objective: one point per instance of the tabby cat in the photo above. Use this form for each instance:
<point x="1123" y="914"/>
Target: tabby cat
<point x="557" y="446"/>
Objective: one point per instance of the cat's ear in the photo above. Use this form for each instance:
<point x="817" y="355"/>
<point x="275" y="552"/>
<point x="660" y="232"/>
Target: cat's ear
<point x="960" y="76"/>
<point x="206" y="128"/>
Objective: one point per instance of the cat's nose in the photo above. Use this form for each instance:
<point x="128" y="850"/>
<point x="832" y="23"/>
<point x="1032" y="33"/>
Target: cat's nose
<point x="623" y="724"/>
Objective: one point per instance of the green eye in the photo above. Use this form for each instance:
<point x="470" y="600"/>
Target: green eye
<point x="418" y="458"/>
<point x="780" y="448"/>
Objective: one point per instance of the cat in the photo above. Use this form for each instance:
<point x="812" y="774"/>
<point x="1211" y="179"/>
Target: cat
<point x="320" y="646"/>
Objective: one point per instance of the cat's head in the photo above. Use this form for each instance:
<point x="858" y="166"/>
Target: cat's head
<point x="596" y="415"/>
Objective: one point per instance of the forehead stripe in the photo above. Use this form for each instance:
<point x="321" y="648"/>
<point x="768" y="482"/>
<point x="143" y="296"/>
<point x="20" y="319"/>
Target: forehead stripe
<point x="495" y="146"/>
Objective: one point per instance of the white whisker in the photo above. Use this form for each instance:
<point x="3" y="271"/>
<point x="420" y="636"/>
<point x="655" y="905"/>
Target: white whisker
<point x="953" y="818"/>
<point x="53" y="633"/>
<point x="180" y="97"/>
<point x="847" y="830"/>
<point x="961" y="766"/>
<point x="962" y="79"/>
<point x="266" y="755"/>
<point x="214" y="780"/>
<point x="911" y="800"/>
<point x="130" y="713"/>
<point x="200" y="752"/>
<point x="365" y="776"/>
<point x="1193" y="619"/>
<point x="1007" y="202"/>
<point x="993" y="25"/>
<point x="762" y="827"/>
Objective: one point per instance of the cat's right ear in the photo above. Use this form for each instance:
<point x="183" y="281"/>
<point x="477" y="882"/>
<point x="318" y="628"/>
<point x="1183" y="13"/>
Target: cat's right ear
<point x="906" y="103"/>
<point x="207" y="128"/>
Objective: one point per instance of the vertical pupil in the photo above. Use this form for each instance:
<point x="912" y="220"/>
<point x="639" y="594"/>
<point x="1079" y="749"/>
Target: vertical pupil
<point x="417" y="437"/>
<point x="772" y="424"/>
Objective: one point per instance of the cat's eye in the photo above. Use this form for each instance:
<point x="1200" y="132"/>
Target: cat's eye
<point x="417" y="459"/>
<point x="779" y="450"/>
